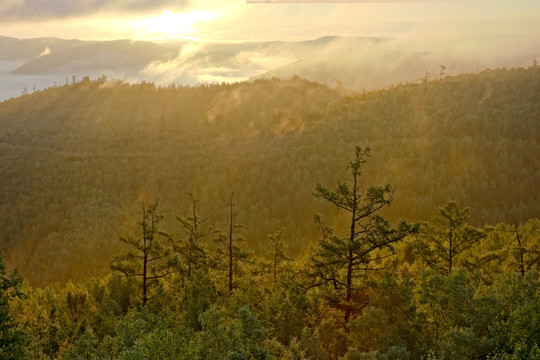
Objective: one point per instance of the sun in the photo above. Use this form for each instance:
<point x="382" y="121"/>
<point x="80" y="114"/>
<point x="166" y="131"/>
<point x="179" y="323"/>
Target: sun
<point x="171" y="25"/>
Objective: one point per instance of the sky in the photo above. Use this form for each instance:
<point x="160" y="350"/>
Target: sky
<point x="480" y="33"/>
<point x="238" y="20"/>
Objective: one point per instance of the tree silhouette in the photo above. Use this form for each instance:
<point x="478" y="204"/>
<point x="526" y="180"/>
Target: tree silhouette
<point x="446" y="237"/>
<point x="192" y="254"/>
<point x="148" y="259"/>
<point x="339" y="260"/>
<point x="230" y="250"/>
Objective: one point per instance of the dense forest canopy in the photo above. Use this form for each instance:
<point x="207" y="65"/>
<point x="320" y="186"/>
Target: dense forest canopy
<point x="78" y="160"/>
<point x="368" y="295"/>
<point x="178" y="222"/>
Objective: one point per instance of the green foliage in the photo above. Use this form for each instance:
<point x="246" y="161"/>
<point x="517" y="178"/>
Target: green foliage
<point x="251" y="334"/>
<point x="83" y="348"/>
<point x="339" y="259"/>
<point x="524" y="325"/>
<point x="447" y="236"/>
<point x="285" y="313"/>
<point x="293" y="352"/>
<point x="370" y="331"/>
<point x="332" y="337"/>
<point x="200" y="295"/>
<point x="311" y="342"/>
<point x="462" y="344"/>
<point x="457" y="316"/>
<point x="12" y="339"/>
<point x="216" y="338"/>
<point x="394" y="353"/>
<point x="444" y="302"/>
<point x="78" y="160"/>
<point x="230" y="253"/>
<point x="148" y="259"/>
<point x="479" y="302"/>
<point x="355" y="354"/>
<point x="277" y="251"/>
<point x="193" y="255"/>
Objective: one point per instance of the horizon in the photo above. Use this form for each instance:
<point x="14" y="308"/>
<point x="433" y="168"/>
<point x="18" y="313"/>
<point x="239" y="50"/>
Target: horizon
<point x="465" y="35"/>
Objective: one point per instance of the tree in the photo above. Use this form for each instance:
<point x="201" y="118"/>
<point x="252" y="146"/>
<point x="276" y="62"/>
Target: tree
<point x="278" y="252"/>
<point x="446" y="237"/>
<point x="149" y="259"/>
<point x="370" y="239"/>
<point x="250" y="334"/>
<point x="232" y="251"/>
<point x="286" y="311"/>
<point x="442" y="72"/>
<point x="12" y="340"/>
<point x="527" y="256"/>
<point x="190" y="249"/>
<point x="199" y="297"/>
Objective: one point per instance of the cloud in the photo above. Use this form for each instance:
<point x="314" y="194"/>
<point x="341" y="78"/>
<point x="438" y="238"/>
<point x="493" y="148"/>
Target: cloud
<point x="197" y="63"/>
<point x="17" y="10"/>
<point x="45" y="52"/>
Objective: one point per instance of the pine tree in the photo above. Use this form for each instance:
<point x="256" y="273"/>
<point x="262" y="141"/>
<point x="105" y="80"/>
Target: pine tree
<point x="527" y="255"/>
<point x="148" y="259"/>
<point x="230" y="250"/>
<point x="370" y="239"/>
<point x="193" y="255"/>
<point x="446" y="237"/>
<point x="277" y="252"/>
<point x="12" y="340"/>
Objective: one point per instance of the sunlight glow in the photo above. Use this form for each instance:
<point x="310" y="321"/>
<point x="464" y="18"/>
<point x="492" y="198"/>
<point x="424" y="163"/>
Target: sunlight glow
<point x="170" y="25"/>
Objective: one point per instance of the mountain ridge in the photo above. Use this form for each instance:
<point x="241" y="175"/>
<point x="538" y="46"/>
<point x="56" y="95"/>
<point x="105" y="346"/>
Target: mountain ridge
<point x="79" y="159"/>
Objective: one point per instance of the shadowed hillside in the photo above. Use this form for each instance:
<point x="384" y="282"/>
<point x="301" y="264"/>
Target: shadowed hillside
<point x="118" y="54"/>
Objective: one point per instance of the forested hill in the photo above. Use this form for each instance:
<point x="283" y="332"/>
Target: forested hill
<point x="78" y="160"/>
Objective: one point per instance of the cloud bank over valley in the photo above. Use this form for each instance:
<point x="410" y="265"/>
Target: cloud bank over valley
<point x="358" y="63"/>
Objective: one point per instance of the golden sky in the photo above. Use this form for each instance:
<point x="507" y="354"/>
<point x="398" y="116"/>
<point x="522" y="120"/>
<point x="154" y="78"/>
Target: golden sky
<point x="232" y="20"/>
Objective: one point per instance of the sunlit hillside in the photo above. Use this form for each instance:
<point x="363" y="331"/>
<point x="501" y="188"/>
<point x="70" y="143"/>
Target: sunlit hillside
<point x="79" y="160"/>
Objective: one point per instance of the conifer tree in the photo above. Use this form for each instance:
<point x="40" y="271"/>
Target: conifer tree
<point x="148" y="259"/>
<point x="526" y="255"/>
<point x="370" y="238"/>
<point x="231" y="251"/>
<point x="12" y="339"/>
<point x="278" y="252"/>
<point x="193" y="255"/>
<point x="446" y="237"/>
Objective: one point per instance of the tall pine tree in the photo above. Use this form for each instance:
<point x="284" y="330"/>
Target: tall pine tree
<point x="339" y="260"/>
<point x="148" y="259"/>
<point x="446" y="237"/>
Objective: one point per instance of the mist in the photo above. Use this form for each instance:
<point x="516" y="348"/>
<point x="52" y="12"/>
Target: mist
<point x="357" y="63"/>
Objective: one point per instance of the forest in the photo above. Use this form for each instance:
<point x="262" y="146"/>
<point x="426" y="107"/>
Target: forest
<point x="441" y="289"/>
<point x="79" y="159"/>
<point x="274" y="219"/>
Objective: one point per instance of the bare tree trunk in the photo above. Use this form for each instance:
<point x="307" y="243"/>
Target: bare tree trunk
<point x="275" y="262"/>
<point x="450" y="252"/>
<point x="145" y="259"/>
<point x="231" y="229"/>
<point x="350" y="255"/>
<point x="521" y="248"/>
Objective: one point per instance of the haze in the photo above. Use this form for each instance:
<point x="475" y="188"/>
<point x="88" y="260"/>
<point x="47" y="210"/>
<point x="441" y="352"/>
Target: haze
<point x="468" y="35"/>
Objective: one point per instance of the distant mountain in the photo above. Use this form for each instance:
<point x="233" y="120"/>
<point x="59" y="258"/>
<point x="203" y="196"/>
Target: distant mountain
<point x="16" y="49"/>
<point x="78" y="160"/>
<point x="107" y="55"/>
<point x="359" y="63"/>
<point x="370" y="64"/>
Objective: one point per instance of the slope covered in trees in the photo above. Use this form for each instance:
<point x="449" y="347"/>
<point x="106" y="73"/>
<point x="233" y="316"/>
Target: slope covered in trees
<point x="391" y="305"/>
<point x="78" y="160"/>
